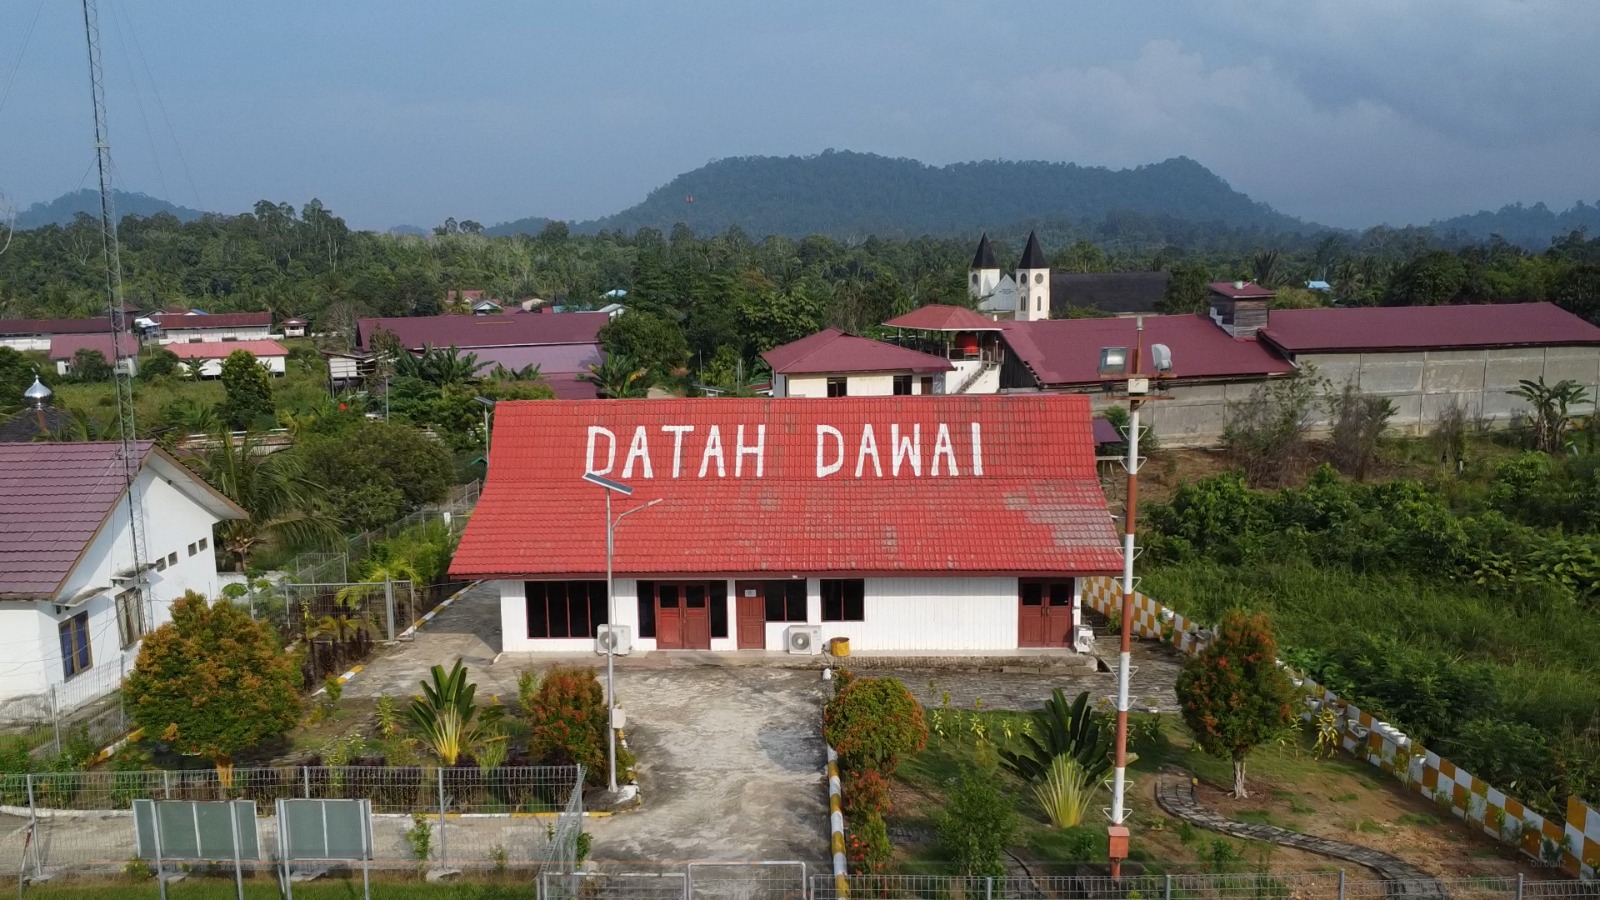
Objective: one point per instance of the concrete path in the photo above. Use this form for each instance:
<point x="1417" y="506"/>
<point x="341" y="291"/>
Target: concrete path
<point x="1176" y="796"/>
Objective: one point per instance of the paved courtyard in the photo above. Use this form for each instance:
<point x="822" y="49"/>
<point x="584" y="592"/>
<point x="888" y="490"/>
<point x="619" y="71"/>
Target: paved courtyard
<point x="731" y="758"/>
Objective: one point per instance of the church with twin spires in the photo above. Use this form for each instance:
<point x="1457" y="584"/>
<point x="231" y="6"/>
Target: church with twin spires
<point x="1024" y="296"/>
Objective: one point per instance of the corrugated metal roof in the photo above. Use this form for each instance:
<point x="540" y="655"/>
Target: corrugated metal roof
<point x="1247" y="290"/>
<point x="938" y="317"/>
<point x="225" y="349"/>
<point x="1398" y="328"/>
<point x="832" y="350"/>
<point x="1022" y="498"/>
<point x="171" y="321"/>
<point x="1067" y="351"/>
<point x="53" y="326"/>
<point x="552" y="359"/>
<point x="469" y="332"/>
<point x="66" y="346"/>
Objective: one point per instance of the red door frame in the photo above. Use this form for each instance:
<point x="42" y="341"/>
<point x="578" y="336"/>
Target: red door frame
<point x="1047" y="621"/>
<point x="751" y="615"/>
<point x="681" y="626"/>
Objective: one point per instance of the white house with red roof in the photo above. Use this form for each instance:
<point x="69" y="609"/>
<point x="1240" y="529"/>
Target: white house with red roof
<point x="832" y="363"/>
<point x="903" y="523"/>
<point x="204" y="360"/>
<point x="64" y="350"/>
<point x="194" y="326"/>
<point x="73" y="608"/>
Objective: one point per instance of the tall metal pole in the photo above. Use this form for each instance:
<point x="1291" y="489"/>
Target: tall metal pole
<point x="611" y="657"/>
<point x="1119" y="778"/>
<point x="111" y="252"/>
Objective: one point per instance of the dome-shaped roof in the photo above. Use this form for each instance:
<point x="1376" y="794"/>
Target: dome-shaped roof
<point x="37" y="394"/>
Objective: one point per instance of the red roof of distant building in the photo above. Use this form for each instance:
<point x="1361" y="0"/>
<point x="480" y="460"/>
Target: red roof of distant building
<point x="568" y="386"/>
<point x="295" y="321"/>
<point x="1067" y="351"/>
<point x="17" y="327"/>
<point x="937" y="317"/>
<point x="832" y="350"/>
<point x="793" y="487"/>
<point x="66" y="346"/>
<point x="466" y="332"/>
<point x="1426" y="327"/>
<point x="1247" y="290"/>
<point x="171" y="321"/>
<point x="225" y="349"/>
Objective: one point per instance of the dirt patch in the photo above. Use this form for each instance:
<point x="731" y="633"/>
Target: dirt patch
<point x="1370" y="813"/>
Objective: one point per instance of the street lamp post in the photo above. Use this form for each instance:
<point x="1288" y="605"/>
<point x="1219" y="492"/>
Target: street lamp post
<point x="1117" y="364"/>
<point x="611" y="616"/>
<point x="488" y="405"/>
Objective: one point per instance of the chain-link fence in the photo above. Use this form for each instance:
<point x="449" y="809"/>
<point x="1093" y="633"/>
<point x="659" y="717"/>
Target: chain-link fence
<point x="1334" y="885"/>
<point x="75" y="717"/>
<point x="767" y="880"/>
<point x="458" y="817"/>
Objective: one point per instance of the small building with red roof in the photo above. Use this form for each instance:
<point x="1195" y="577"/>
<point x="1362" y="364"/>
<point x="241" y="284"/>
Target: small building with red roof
<point x="194" y="326"/>
<point x="909" y="524"/>
<point x="205" y="360"/>
<point x="834" y="363"/>
<point x="64" y="350"/>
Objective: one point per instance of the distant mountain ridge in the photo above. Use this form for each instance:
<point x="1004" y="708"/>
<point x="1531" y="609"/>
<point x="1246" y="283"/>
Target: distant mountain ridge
<point x="853" y="195"/>
<point x="1532" y="227"/>
<point x="63" y="209"/>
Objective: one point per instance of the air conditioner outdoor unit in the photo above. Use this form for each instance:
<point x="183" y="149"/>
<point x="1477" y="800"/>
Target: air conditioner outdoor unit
<point x="1083" y="639"/>
<point x="617" y="638"/>
<point x="803" y="640"/>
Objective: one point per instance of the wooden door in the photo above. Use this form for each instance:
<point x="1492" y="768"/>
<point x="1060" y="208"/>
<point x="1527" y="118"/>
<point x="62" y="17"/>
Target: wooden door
<point x="1044" y="613"/>
<point x="696" y="618"/>
<point x="669" y="617"/>
<point x="751" y="615"/>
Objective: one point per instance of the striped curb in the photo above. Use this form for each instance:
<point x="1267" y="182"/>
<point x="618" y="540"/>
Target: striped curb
<point x="841" y="873"/>
<point x="342" y="679"/>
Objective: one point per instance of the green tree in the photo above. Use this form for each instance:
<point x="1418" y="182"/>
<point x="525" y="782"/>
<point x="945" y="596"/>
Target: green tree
<point x="212" y="682"/>
<point x="16" y="376"/>
<point x="1549" y="416"/>
<point x="248" y="391"/>
<point x="1187" y="291"/>
<point x="282" y="502"/>
<point x="1083" y="256"/>
<point x="160" y="362"/>
<point x="618" y="377"/>
<point x="1428" y="280"/>
<point x="90" y="365"/>
<point x="656" y="343"/>
<point x="977" y="824"/>
<point x="1234" y="696"/>
<point x="372" y="473"/>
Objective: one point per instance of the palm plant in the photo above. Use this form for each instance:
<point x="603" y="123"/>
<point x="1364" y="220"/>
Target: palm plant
<point x="272" y="488"/>
<point x="438" y="367"/>
<point x="618" y="377"/>
<point x="1548" y="410"/>
<point x="1060" y="729"/>
<point x="447" y="719"/>
<point x="1066" y="793"/>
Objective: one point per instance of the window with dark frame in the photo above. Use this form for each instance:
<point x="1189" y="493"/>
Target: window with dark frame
<point x="719" y="608"/>
<point x="75" y="644"/>
<point x="838" y="387"/>
<point x="565" y="609"/>
<point x="647" y="609"/>
<point x="130" y="618"/>
<point x="786" y="600"/>
<point x="204" y="543"/>
<point x="844" y="600"/>
<point x="902" y="385"/>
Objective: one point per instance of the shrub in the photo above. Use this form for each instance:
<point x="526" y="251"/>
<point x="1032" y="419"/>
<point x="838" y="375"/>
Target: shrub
<point x="977" y="824"/>
<point x="1066" y="793"/>
<point x="867" y="844"/>
<point x="868" y="794"/>
<point x="872" y="722"/>
<point x="1061" y="730"/>
<point x="566" y="717"/>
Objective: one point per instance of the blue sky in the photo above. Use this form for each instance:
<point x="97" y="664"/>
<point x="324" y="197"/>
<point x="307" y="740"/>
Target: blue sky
<point x="1350" y="112"/>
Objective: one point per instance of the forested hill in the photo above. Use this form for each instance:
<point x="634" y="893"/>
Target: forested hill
<point x="61" y="210"/>
<point x="1533" y="227"/>
<point x="853" y="195"/>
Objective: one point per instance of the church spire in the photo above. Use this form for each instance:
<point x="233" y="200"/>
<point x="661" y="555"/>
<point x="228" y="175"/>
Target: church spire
<point x="984" y="258"/>
<point x="1032" y="256"/>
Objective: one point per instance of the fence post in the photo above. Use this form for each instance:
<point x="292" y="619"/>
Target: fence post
<point x="32" y="813"/>
<point x="1520" y="879"/>
<point x="388" y="603"/>
<point x="1341" y="884"/>
<point x="988" y="887"/>
<point x="444" y="847"/>
<point x="305" y="772"/>
<point x="55" y="714"/>
<point x="166" y="784"/>
<point x="1167" y="890"/>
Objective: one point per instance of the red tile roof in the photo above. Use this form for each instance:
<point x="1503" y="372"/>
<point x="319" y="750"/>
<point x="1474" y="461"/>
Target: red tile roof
<point x="1067" y="351"/>
<point x="1248" y="291"/>
<point x="466" y="332"/>
<point x="169" y="321"/>
<point x="748" y="491"/>
<point x="937" y="317"/>
<point x="1426" y="327"/>
<point x="54" y="498"/>
<point x="225" y="349"/>
<point x="832" y="350"/>
<point x="19" y="327"/>
<point x="66" y="346"/>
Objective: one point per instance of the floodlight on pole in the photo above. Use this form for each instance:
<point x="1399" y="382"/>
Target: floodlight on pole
<point x="487" y="406"/>
<point x="612" y="487"/>
<point x="1125" y="367"/>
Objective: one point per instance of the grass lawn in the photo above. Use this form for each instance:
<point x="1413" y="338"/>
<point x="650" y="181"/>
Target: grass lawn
<point x="263" y="887"/>
<point x="1337" y="798"/>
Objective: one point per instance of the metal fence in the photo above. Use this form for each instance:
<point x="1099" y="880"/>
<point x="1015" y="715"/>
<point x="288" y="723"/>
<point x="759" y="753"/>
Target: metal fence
<point x="460" y="817"/>
<point x="767" y="880"/>
<point x="321" y="566"/>
<point x="81" y="715"/>
<point x="1332" y="885"/>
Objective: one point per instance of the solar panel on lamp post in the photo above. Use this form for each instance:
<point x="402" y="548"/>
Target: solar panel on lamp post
<point x="611" y="616"/>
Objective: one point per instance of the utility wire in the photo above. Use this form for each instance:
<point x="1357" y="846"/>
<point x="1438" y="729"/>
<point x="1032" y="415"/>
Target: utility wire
<point x="138" y="99"/>
<point x="11" y="77"/>
<point x="161" y="106"/>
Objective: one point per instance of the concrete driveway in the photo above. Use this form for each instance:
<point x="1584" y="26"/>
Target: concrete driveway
<point x="731" y="760"/>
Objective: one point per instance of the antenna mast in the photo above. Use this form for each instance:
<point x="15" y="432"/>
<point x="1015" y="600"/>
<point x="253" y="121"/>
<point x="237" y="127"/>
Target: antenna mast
<point x="122" y="341"/>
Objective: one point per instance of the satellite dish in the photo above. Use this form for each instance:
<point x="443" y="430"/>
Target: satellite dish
<point x="1161" y="358"/>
